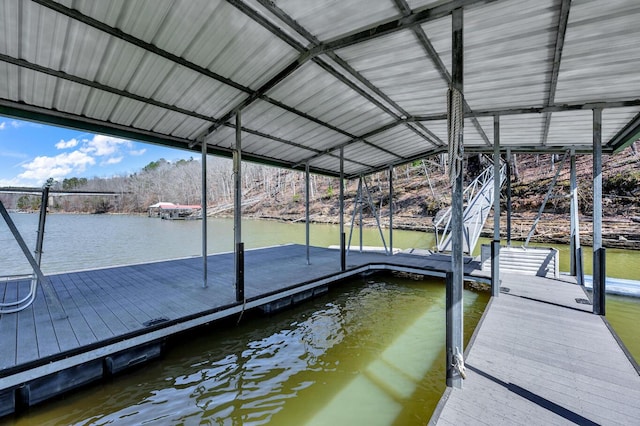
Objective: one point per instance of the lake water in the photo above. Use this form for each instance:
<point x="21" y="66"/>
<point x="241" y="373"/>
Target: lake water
<point x="306" y="365"/>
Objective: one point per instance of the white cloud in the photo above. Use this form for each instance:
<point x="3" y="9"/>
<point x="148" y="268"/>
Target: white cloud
<point x="101" y="145"/>
<point x="67" y="144"/>
<point x="138" y="152"/>
<point x="60" y="166"/>
<point x="3" y="125"/>
<point x="11" y="182"/>
<point x="112" y="160"/>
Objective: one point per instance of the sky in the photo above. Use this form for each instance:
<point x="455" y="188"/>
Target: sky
<point x="31" y="153"/>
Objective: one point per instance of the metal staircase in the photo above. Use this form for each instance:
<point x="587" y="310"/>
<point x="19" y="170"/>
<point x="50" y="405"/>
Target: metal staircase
<point x="478" y="197"/>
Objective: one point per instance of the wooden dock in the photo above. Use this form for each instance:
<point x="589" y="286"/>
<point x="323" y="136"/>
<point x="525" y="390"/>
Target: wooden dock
<point x="541" y="357"/>
<point x="118" y="317"/>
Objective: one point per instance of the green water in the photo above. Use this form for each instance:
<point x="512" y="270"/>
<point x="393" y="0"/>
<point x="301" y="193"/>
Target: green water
<point x="288" y="369"/>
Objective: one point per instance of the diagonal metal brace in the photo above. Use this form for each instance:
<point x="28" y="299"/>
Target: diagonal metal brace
<point x="49" y="292"/>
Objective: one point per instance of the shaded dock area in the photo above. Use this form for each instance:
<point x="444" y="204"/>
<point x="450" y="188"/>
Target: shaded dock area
<point x="118" y="317"/>
<point x="540" y="356"/>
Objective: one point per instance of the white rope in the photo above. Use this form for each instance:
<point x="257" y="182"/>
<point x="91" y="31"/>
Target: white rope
<point x="455" y="124"/>
<point x="458" y="364"/>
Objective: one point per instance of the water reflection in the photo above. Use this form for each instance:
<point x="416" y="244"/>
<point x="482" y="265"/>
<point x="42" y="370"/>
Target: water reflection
<point x="281" y="369"/>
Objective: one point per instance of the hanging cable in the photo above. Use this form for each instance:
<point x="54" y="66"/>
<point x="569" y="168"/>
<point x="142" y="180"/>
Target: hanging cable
<point x="454" y="130"/>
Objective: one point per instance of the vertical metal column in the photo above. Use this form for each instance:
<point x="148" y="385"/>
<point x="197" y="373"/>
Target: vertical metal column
<point x="237" y="213"/>
<point x="360" y="207"/>
<point x="495" y="245"/>
<point x="598" y="250"/>
<point x="307" y="186"/>
<point x="44" y="202"/>
<point x="454" y="305"/>
<point x="204" y="215"/>
<point x="343" y="259"/>
<point x="390" y="210"/>
<point x="575" y="250"/>
<point x="508" y="197"/>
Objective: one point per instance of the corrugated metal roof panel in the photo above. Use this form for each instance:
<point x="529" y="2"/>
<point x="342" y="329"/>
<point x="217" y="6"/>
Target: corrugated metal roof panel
<point x="10" y="40"/>
<point x="35" y="88"/>
<point x="574" y="127"/>
<point x="9" y="76"/>
<point x="276" y="121"/>
<point x="333" y="163"/>
<point x="615" y="119"/>
<point x="126" y="111"/>
<point x="508" y="61"/>
<point x="329" y="18"/>
<point x="71" y="97"/>
<point x="401" y="140"/>
<point x="524" y="130"/>
<point x="472" y="136"/>
<point x="601" y="52"/>
<point x="397" y="64"/>
<point x="315" y="92"/>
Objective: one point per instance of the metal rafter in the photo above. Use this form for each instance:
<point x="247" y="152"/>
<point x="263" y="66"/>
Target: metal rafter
<point x="284" y="17"/>
<point x="587" y="106"/>
<point x="253" y="95"/>
<point x="628" y="134"/>
<point x="122" y="93"/>
<point x="21" y="110"/>
<point x="292" y="23"/>
<point x="420" y="16"/>
<point x="431" y="52"/>
<point x="555" y="67"/>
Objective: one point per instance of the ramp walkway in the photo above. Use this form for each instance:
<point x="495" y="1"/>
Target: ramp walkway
<point x="479" y="196"/>
<point x="540" y="357"/>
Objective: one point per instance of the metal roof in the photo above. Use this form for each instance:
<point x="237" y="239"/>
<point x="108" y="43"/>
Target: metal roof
<point x="312" y="77"/>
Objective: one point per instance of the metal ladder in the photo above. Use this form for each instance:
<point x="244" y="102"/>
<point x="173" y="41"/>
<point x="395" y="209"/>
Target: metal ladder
<point x="479" y="200"/>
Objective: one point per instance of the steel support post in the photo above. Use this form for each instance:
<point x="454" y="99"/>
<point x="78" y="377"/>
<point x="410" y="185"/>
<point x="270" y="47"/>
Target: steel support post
<point x="205" y="280"/>
<point x="44" y="202"/>
<point x="598" y="251"/>
<point x="343" y="262"/>
<point x="577" y="268"/>
<point x="495" y="247"/>
<point x="307" y="186"/>
<point x="508" y="197"/>
<point x="390" y="210"/>
<point x="237" y="213"/>
<point x="360" y="208"/>
<point x="454" y="305"/>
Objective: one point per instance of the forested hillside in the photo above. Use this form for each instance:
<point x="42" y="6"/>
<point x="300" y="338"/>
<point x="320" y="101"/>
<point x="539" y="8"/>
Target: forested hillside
<point x="420" y="192"/>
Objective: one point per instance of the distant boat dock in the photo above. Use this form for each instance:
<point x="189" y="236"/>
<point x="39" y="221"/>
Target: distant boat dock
<point x="173" y="211"/>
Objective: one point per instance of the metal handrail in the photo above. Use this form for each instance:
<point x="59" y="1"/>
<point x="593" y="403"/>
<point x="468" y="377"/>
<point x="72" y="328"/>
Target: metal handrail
<point x="473" y="194"/>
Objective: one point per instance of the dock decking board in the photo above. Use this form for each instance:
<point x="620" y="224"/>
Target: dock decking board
<point x="110" y="302"/>
<point x="541" y="358"/>
<point x="538" y="326"/>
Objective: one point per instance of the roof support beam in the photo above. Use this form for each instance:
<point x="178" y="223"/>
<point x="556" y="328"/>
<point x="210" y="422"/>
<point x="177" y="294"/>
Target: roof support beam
<point x="420" y="16"/>
<point x="535" y="110"/>
<point x="555" y="68"/>
<point x="68" y="77"/>
<point x="399" y="114"/>
<point x="253" y="95"/>
<point x="63" y="119"/>
<point x="627" y="135"/>
<point x="76" y="15"/>
<point x="432" y="54"/>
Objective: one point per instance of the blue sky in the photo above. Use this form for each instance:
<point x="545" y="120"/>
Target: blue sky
<point x="30" y="153"/>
